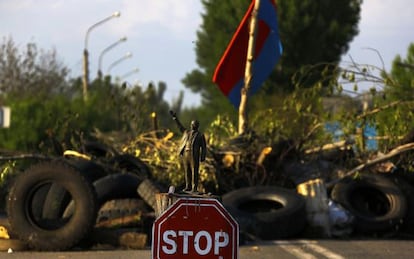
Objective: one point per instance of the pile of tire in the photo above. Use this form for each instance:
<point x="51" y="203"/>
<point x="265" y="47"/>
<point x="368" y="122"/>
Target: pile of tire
<point x="55" y="205"/>
<point x="266" y="212"/>
<point x="380" y="204"/>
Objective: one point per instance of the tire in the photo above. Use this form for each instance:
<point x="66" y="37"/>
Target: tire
<point x="57" y="198"/>
<point x="91" y="170"/>
<point x="51" y="235"/>
<point x="97" y="149"/>
<point x="116" y="186"/>
<point x="110" y="187"/>
<point x="117" y="208"/>
<point x="131" y="164"/>
<point x="408" y="190"/>
<point x="147" y="190"/>
<point x="267" y="212"/>
<point x="39" y="200"/>
<point x="377" y="204"/>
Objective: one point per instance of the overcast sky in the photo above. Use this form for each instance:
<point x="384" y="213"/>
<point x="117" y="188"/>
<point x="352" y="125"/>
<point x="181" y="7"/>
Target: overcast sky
<point x="161" y="35"/>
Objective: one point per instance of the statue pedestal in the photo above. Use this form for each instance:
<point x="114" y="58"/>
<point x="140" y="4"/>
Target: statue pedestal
<point x="165" y="200"/>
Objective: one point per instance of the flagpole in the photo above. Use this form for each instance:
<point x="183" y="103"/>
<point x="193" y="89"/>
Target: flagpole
<point x="243" y="120"/>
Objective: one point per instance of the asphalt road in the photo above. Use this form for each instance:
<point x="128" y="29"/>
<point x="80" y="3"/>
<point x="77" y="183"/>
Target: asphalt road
<point x="303" y="249"/>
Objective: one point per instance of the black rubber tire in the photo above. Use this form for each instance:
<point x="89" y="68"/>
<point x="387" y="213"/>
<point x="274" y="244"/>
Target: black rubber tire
<point x="116" y="208"/>
<point x="377" y="203"/>
<point x="91" y="170"/>
<point x="39" y="200"/>
<point x="147" y="190"/>
<point x="51" y="235"/>
<point x="408" y="190"/>
<point x="110" y="187"/>
<point x="116" y="186"/>
<point x="57" y="198"/>
<point x="131" y="164"/>
<point x="267" y="212"/>
<point x="97" y="149"/>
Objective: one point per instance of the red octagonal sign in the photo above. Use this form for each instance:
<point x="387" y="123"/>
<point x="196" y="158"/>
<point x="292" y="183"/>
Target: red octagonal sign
<point x="195" y="228"/>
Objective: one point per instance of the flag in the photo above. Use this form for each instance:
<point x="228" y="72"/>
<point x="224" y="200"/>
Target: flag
<point x="229" y="73"/>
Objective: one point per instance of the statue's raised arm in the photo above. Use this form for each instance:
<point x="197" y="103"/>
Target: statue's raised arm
<point x="175" y="118"/>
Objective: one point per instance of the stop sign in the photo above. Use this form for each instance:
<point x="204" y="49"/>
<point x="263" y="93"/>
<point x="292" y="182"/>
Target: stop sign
<point x="194" y="228"/>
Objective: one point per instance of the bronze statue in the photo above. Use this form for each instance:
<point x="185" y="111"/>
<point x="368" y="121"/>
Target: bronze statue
<point x="192" y="151"/>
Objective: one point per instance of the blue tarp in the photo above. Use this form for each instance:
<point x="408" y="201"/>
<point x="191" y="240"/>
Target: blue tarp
<point x="369" y="131"/>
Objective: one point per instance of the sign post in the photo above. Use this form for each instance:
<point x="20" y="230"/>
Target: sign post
<point x="4" y="117"/>
<point x="195" y="228"/>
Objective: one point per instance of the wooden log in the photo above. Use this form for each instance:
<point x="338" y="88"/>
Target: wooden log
<point x="133" y="240"/>
<point x="119" y="237"/>
<point x="163" y="201"/>
<point x="396" y="151"/>
<point x="121" y="221"/>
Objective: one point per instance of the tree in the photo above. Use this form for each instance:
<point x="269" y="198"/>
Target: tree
<point x="46" y="103"/>
<point x="30" y="71"/>
<point x="312" y="32"/>
<point x="402" y="74"/>
<point x="397" y="120"/>
<point x="390" y="100"/>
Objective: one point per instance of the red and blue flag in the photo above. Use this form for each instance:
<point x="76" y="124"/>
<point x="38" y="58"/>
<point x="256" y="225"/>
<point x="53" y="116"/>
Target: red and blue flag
<point x="229" y="73"/>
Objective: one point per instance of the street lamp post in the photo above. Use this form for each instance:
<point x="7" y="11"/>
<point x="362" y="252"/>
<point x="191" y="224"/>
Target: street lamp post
<point x="86" y="54"/>
<point x="135" y="70"/>
<point x="126" y="56"/>
<point x="106" y="50"/>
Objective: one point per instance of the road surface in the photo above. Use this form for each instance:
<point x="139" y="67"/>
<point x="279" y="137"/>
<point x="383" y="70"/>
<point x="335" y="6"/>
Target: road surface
<point x="303" y="249"/>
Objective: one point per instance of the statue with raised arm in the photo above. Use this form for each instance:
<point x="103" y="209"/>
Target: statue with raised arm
<point x="192" y="151"/>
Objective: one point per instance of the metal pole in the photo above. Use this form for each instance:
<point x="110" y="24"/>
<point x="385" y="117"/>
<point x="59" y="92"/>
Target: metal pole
<point x="126" y="56"/>
<point x="85" y="78"/>
<point x="104" y="51"/>
<point x="136" y="70"/>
